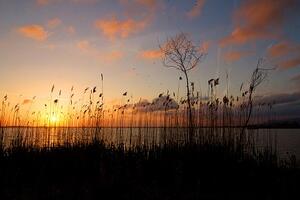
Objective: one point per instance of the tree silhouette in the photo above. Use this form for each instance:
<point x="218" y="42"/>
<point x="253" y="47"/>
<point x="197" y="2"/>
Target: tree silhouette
<point x="258" y="76"/>
<point x="180" y="53"/>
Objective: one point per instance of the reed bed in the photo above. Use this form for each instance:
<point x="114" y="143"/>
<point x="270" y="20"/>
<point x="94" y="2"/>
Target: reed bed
<point x="141" y="150"/>
<point x="158" y="122"/>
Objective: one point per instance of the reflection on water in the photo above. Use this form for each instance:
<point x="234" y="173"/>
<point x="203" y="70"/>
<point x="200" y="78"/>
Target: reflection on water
<point x="285" y="141"/>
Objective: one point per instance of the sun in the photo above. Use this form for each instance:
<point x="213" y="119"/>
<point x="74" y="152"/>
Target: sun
<point x="54" y="119"/>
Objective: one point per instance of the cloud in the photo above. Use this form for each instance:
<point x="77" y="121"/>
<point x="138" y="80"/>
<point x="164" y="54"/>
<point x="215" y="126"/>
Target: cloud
<point x="114" y="28"/>
<point x="163" y="103"/>
<point x="258" y="19"/>
<point x="232" y="56"/>
<point x="158" y="104"/>
<point x="138" y="13"/>
<point x="242" y="35"/>
<point x="286" y="54"/>
<point x="296" y="78"/>
<point x="34" y="31"/>
<point x="290" y="63"/>
<point x="286" y="105"/>
<point x="279" y="49"/>
<point x="52" y="23"/>
<point x="142" y="105"/>
<point x="109" y="56"/>
<point x="151" y="54"/>
<point x="282" y="98"/>
<point x="196" y="9"/>
<point x="283" y="48"/>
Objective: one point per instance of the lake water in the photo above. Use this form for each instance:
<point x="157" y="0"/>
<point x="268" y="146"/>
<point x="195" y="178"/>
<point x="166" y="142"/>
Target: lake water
<point x="285" y="141"/>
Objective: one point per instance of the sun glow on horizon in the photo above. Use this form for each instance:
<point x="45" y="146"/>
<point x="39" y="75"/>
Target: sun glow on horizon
<point x="54" y="119"/>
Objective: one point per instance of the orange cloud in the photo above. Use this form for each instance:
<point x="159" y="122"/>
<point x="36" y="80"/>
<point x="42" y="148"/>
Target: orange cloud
<point x="52" y="23"/>
<point x="282" y="49"/>
<point x="257" y="19"/>
<point x="113" y="28"/>
<point x="34" y="31"/>
<point x="139" y="14"/>
<point x="286" y="54"/>
<point x="151" y="54"/>
<point x="196" y="9"/>
<point x="242" y="35"/>
<point x="291" y="63"/>
<point x="235" y="55"/>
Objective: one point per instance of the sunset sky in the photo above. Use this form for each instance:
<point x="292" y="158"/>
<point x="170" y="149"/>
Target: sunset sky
<point x="71" y="42"/>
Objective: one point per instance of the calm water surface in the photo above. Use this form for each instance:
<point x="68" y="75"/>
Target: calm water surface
<point x="285" y="141"/>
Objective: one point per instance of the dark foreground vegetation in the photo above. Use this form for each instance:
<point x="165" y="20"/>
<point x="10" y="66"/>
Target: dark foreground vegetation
<point x="98" y="171"/>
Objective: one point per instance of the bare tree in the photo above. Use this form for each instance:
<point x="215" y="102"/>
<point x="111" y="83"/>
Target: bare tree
<point x="258" y="76"/>
<point x="180" y="53"/>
